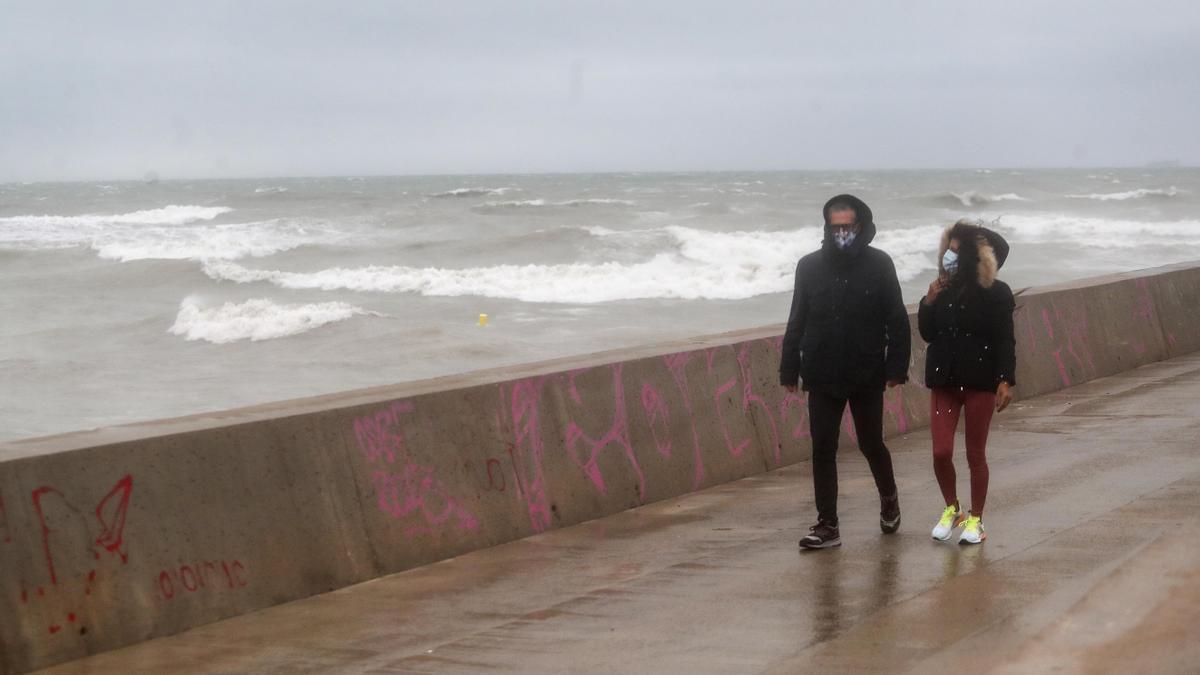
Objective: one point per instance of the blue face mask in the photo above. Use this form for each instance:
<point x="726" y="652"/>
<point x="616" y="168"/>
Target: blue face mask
<point x="950" y="261"/>
<point x="844" y="239"/>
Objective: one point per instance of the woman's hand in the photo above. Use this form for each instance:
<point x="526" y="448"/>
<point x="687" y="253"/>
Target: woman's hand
<point x="938" y="285"/>
<point x="1003" y="396"/>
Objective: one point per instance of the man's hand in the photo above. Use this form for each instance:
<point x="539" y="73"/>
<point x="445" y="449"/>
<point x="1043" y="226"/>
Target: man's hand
<point x="893" y="383"/>
<point x="791" y="388"/>
<point x="938" y="285"/>
<point x="1003" y="396"/>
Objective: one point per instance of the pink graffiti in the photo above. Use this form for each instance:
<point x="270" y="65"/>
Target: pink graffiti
<point x="404" y="488"/>
<point x="791" y="402"/>
<point x="521" y="404"/>
<point x="848" y="425"/>
<point x="617" y="434"/>
<point x="748" y="399"/>
<point x="1062" y="367"/>
<point x="1026" y="323"/>
<point x="893" y="403"/>
<point x="592" y="445"/>
<point x="735" y="449"/>
<point x="658" y="417"/>
<point x="751" y="398"/>
<point x="1143" y="309"/>
<point x="4" y="521"/>
<point x="1074" y="321"/>
<point x="677" y="366"/>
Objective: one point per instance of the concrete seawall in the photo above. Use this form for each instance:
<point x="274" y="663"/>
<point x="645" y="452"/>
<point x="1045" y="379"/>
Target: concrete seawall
<point x="118" y="535"/>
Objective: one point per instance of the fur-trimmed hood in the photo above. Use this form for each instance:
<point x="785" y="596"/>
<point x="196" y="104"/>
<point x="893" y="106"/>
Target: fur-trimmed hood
<point x="987" y="248"/>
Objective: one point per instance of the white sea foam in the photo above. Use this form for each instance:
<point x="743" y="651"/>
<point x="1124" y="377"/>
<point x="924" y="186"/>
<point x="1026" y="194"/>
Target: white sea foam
<point x="270" y="190"/>
<point x="537" y="203"/>
<point x="973" y="198"/>
<point x="167" y="215"/>
<point x="702" y="264"/>
<point x="596" y="201"/>
<point x="515" y="203"/>
<point x="1102" y="233"/>
<point x="473" y="192"/>
<point x="227" y="241"/>
<point x="257" y="319"/>
<point x="126" y="241"/>
<point x="1140" y="193"/>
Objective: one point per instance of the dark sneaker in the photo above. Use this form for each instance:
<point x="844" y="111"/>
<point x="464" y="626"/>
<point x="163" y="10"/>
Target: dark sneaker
<point x="889" y="513"/>
<point x="822" y="535"/>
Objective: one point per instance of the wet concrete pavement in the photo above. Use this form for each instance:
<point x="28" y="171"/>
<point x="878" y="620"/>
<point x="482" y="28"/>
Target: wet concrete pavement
<point x="1092" y="565"/>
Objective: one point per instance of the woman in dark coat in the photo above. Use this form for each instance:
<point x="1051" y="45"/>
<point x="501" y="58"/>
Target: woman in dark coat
<point x="967" y="319"/>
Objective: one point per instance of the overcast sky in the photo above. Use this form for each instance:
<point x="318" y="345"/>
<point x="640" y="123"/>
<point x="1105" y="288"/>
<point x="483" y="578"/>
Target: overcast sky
<point x="109" y="90"/>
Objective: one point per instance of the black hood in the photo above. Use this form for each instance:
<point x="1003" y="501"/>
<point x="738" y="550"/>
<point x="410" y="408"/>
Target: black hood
<point x="998" y="244"/>
<point x="866" y="221"/>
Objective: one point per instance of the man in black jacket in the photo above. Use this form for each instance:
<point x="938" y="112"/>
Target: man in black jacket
<point x="847" y="337"/>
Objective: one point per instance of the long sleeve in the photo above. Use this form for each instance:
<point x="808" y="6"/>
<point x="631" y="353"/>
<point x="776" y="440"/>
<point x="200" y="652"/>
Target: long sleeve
<point x="789" y="364"/>
<point x="899" y="331"/>
<point x="1004" y="336"/>
<point x="925" y="320"/>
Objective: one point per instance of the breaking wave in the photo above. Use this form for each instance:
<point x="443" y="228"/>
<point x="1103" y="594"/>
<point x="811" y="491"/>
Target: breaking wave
<point x="255" y="320"/>
<point x="974" y="198"/>
<point x="1141" y="193"/>
<point x="472" y="192"/>
<point x="699" y="264"/>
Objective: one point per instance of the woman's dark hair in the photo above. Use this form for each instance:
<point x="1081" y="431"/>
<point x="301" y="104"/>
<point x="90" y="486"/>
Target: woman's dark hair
<point x="966" y="279"/>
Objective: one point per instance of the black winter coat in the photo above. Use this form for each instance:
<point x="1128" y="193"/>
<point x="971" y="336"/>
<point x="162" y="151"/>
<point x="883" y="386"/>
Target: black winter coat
<point x="848" y="330"/>
<point x="970" y="336"/>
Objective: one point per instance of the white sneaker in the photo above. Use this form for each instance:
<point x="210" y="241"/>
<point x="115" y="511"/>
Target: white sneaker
<point x="973" y="532"/>
<point x="951" y="518"/>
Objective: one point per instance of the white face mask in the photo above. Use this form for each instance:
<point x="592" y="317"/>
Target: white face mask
<point x="844" y="239"/>
<point x="950" y="261"/>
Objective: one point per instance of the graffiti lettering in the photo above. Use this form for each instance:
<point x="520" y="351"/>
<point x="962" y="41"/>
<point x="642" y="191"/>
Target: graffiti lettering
<point x="404" y="488"/>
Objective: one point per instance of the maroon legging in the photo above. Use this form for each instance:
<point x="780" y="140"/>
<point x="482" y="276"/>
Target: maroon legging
<point x="945" y="406"/>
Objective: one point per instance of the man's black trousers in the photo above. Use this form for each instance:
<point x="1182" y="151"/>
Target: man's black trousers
<point x="824" y="419"/>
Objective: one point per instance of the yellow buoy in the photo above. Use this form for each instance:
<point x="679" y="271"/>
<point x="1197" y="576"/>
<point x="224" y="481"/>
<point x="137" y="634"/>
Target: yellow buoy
<point x="483" y="319"/>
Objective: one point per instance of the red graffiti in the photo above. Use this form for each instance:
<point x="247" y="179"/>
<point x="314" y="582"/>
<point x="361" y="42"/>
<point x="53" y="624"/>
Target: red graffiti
<point x="495" y="473"/>
<point x="206" y="575"/>
<point x="111" y="517"/>
<point x="72" y="542"/>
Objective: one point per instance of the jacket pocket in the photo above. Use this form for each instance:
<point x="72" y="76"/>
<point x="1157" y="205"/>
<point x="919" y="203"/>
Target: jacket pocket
<point x="814" y="362"/>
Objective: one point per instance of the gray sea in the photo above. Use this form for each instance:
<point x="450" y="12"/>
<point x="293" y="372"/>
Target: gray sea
<point x="125" y="301"/>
